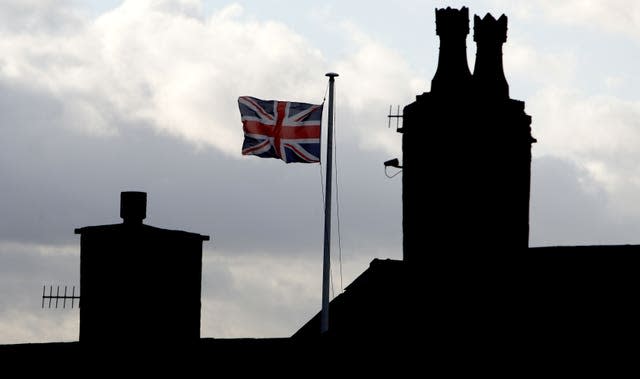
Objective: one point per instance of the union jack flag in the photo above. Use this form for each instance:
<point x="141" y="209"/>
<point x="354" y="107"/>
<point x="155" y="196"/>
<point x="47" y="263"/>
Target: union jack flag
<point x="281" y="129"/>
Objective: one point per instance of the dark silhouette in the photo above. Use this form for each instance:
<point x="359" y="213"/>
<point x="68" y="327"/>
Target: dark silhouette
<point x="139" y="283"/>
<point x="469" y="292"/>
<point x="469" y="289"/>
<point x="466" y="168"/>
<point x="466" y="149"/>
<point x="452" y="77"/>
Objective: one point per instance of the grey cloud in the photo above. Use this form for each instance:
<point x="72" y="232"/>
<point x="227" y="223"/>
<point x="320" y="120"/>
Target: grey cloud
<point x="569" y="207"/>
<point x="56" y="179"/>
<point x="38" y="16"/>
<point x="267" y="296"/>
<point x="24" y="269"/>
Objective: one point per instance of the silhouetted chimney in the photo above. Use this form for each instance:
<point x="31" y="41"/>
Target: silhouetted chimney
<point x="452" y="74"/>
<point x="139" y="284"/>
<point x="466" y="153"/>
<point x="133" y="207"/>
<point x="488" y="73"/>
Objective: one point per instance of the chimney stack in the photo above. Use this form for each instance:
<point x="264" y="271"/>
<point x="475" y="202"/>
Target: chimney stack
<point x="122" y="266"/>
<point x="466" y="153"/>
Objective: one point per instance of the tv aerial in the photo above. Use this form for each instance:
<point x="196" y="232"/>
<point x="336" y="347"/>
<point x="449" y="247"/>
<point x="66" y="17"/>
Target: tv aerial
<point x="393" y="162"/>
<point x="64" y="297"/>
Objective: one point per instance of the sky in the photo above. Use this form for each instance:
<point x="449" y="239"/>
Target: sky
<point x="103" y="96"/>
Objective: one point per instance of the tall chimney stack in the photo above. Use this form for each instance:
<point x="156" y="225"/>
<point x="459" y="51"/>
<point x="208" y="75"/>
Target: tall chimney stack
<point x="466" y="153"/>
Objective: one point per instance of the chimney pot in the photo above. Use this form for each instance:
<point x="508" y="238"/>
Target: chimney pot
<point x="452" y="76"/>
<point x="133" y="207"/>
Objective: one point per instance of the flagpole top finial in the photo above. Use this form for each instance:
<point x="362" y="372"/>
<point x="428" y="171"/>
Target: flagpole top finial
<point x="331" y="74"/>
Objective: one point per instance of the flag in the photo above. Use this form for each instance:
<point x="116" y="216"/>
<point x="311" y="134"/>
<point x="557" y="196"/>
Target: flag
<point x="281" y="129"/>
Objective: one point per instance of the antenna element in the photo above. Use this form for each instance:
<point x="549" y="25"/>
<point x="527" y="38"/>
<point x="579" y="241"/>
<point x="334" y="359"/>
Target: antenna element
<point x="397" y="116"/>
<point x="57" y="296"/>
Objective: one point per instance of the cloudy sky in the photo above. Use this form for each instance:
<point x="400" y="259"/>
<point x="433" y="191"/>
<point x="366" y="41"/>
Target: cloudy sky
<point x="101" y="96"/>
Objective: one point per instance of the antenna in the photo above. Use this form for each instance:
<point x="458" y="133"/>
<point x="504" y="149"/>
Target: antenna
<point x="57" y="296"/>
<point x="394" y="162"/>
<point x="397" y="116"/>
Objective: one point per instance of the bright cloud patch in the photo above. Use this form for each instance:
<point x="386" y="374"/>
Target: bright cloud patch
<point x="620" y="16"/>
<point x="165" y="64"/>
<point x="602" y="132"/>
<point x="168" y="65"/>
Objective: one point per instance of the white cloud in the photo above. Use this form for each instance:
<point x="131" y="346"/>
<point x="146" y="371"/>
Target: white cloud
<point x="47" y="325"/>
<point x="571" y="206"/>
<point x="374" y="76"/>
<point x="567" y="205"/>
<point x="621" y="16"/>
<point x="600" y="132"/>
<point x="616" y="16"/>
<point x="613" y="81"/>
<point x="536" y="66"/>
<point x="586" y="125"/>
<point x="168" y="65"/>
<point x="163" y="63"/>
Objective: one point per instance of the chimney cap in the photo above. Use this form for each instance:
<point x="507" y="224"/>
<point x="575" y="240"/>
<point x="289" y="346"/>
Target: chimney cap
<point x="488" y="28"/>
<point x="133" y="206"/>
<point x="451" y="21"/>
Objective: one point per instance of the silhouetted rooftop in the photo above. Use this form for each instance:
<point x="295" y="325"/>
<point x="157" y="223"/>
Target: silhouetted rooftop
<point x="469" y="289"/>
<point x="141" y="228"/>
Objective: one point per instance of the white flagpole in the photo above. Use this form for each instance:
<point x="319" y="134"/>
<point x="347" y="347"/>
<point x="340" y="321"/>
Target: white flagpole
<point x="326" y="262"/>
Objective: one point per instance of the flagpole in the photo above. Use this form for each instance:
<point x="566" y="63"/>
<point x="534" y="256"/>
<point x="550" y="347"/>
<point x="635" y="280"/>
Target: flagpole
<point x="326" y="262"/>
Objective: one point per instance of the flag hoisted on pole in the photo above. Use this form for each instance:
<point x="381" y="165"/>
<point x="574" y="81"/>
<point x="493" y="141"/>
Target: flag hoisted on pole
<point x="291" y="131"/>
<point x="281" y="129"/>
